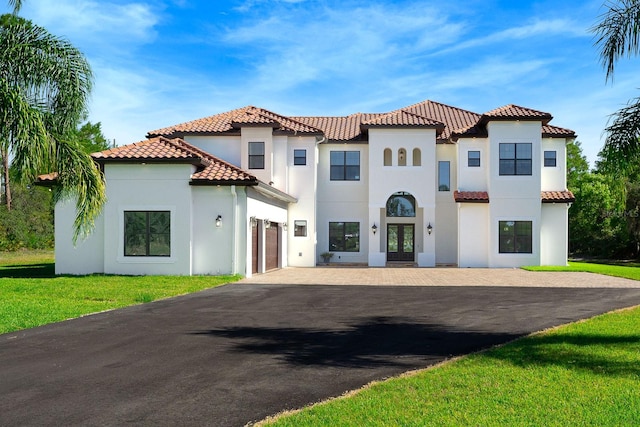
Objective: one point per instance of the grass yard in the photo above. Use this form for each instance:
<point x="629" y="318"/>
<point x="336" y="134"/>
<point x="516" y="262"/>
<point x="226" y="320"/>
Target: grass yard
<point x="583" y="374"/>
<point x="625" y="271"/>
<point x="31" y="295"/>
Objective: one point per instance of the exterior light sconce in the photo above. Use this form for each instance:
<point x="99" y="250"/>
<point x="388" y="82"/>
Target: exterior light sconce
<point x="219" y="221"/>
<point x="284" y="226"/>
<point x="429" y="228"/>
<point x="374" y="228"/>
<point x="254" y="221"/>
<point x="267" y="223"/>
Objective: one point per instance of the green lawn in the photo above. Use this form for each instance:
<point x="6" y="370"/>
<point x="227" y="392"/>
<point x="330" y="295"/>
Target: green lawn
<point x="583" y="374"/>
<point x="625" y="271"/>
<point x="31" y="295"/>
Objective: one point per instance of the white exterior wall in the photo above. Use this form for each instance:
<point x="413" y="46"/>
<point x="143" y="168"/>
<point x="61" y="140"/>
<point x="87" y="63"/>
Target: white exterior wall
<point x="87" y="256"/>
<point x="343" y="201"/>
<point x="514" y="198"/>
<point x="280" y="163"/>
<point x="473" y="237"/>
<point x="219" y="250"/>
<point x="302" y="184"/>
<point x="144" y="188"/>
<point x="228" y="148"/>
<point x="420" y="181"/>
<point x="473" y="178"/>
<point x="554" y="178"/>
<point x="446" y="235"/>
<point x="554" y="234"/>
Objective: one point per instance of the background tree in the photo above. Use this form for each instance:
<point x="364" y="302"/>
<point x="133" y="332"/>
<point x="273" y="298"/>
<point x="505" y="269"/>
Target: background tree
<point x="617" y="35"/>
<point x="45" y="83"/>
<point x="89" y="136"/>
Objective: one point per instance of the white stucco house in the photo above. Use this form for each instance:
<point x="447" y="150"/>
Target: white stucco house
<point x="249" y="190"/>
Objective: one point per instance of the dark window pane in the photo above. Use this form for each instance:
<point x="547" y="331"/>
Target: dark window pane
<point x="147" y="233"/>
<point x="444" y="182"/>
<point x="299" y="157"/>
<point x="550" y="159"/>
<point x="300" y="228"/>
<point x="401" y="205"/>
<point x="344" y="236"/>
<point x="507" y="151"/>
<point x="523" y="151"/>
<point x="256" y="155"/>
<point x="337" y="158"/>
<point x="345" y="166"/>
<point x="515" y="236"/>
<point x="473" y="159"/>
<point x="523" y="167"/>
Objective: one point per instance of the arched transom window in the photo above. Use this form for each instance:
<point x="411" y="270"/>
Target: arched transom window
<point x="401" y="204"/>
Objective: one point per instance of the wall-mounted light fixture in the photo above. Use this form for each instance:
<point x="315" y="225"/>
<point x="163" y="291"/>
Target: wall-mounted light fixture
<point x="429" y="229"/>
<point x="284" y="226"/>
<point x="374" y="228"/>
<point x="267" y="223"/>
<point x="219" y="221"/>
<point x="254" y="221"/>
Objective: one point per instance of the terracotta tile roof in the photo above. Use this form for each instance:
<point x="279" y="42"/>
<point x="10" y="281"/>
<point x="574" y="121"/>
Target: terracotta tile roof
<point x="211" y="169"/>
<point x="454" y="122"/>
<point x="158" y="149"/>
<point x="515" y="112"/>
<point x="471" y="196"/>
<point x="231" y="121"/>
<point x="549" y="131"/>
<point x="401" y="118"/>
<point x="557" y="197"/>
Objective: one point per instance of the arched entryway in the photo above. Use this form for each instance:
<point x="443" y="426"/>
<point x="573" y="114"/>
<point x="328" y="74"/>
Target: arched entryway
<point x="401" y="227"/>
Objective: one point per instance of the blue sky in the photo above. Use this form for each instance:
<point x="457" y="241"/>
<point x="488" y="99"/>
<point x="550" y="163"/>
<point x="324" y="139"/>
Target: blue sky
<point x="163" y="62"/>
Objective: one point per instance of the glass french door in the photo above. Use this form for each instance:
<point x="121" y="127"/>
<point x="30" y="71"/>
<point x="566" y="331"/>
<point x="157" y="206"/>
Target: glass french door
<point x="400" y="242"/>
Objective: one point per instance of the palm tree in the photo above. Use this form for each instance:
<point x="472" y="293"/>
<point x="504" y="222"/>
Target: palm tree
<point x="618" y="35"/>
<point x="45" y="84"/>
<point x="16" y="4"/>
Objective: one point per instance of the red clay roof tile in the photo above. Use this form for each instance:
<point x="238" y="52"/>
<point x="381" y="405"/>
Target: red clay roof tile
<point x="515" y="112"/>
<point x="211" y="169"/>
<point x="471" y="196"/>
<point x="549" y="131"/>
<point x="230" y="121"/>
<point x="565" y="196"/>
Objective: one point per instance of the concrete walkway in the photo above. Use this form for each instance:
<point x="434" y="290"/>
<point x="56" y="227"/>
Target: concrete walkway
<point x="515" y="277"/>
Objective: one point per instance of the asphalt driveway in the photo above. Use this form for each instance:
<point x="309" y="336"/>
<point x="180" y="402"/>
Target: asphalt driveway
<point x="235" y="354"/>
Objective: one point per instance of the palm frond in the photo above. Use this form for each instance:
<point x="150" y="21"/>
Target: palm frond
<point x="16" y="5"/>
<point x="622" y="142"/>
<point x="618" y="32"/>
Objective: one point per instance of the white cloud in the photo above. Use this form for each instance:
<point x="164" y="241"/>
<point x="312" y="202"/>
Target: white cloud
<point x="95" y="22"/>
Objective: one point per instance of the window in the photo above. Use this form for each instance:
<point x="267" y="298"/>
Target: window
<point x="417" y="157"/>
<point x="401" y="204"/>
<point x="444" y="179"/>
<point x="345" y="166"/>
<point x="300" y="228"/>
<point x="402" y="157"/>
<point x="147" y="233"/>
<point x="550" y="159"/>
<point x="300" y="157"/>
<point x="256" y="155"/>
<point x="387" y="157"/>
<point x="515" y="159"/>
<point x="515" y="237"/>
<point x="473" y="159"/>
<point x="344" y="236"/>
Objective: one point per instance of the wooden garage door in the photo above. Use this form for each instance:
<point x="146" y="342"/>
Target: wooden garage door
<point x="271" y="247"/>
<point x="254" y="250"/>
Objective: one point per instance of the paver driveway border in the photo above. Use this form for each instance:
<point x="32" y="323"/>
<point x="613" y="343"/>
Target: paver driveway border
<point x="235" y="354"/>
<point x="439" y="277"/>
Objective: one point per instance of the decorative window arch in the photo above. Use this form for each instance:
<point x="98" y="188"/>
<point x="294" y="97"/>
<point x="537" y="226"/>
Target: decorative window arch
<point x="387" y="156"/>
<point x="401" y="204"/>
<point x="402" y="157"/>
<point x="417" y="157"/>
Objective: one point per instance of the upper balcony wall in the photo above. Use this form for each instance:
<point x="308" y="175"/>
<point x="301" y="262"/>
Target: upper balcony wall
<point x="471" y="175"/>
<point x="226" y="148"/>
<point x="554" y="178"/>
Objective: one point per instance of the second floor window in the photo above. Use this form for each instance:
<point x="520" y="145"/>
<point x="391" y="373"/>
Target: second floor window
<point x="444" y="176"/>
<point x="515" y="159"/>
<point x="550" y="159"/>
<point x="473" y="159"/>
<point x="345" y="166"/>
<point x="300" y="157"/>
<point x="256" y="155"/>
